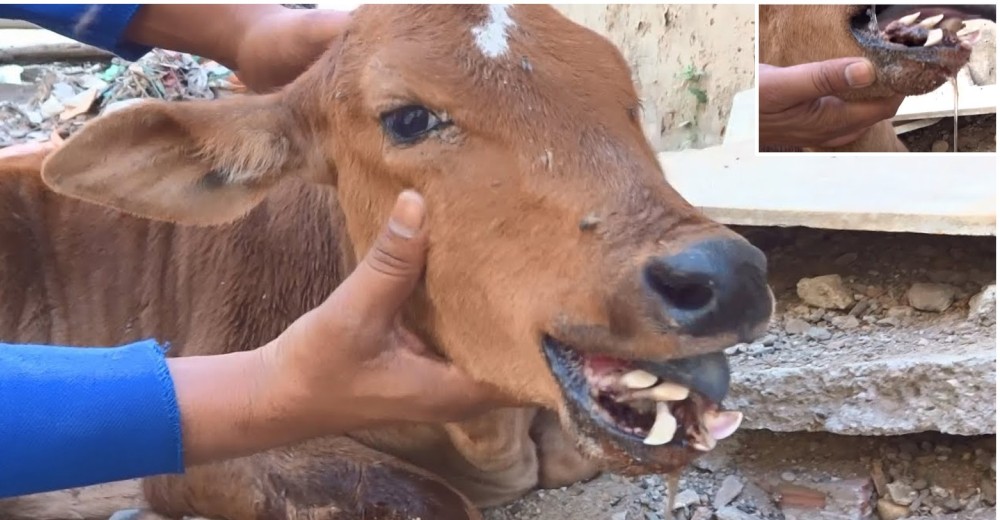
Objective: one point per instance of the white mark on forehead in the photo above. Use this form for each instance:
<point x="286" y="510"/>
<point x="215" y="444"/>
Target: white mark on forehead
<point x="491" y="36"/>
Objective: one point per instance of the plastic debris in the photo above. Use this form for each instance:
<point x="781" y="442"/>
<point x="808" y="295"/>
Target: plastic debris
<point x="39" y="101"/>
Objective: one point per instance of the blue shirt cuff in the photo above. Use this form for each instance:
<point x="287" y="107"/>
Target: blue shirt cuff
<point x="74" y="416"/>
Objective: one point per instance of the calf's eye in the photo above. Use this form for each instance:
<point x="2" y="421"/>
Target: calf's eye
<point x="410" y="123"/>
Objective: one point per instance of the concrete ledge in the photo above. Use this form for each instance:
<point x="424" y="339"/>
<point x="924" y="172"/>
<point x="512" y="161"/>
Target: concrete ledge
<point x="948" y="194"/>
<point x="928" y="389"/>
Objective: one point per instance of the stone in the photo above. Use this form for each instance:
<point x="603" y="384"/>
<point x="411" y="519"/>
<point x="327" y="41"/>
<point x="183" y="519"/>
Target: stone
<point x="983" y="306"/>
<point x="845" y="322"/>
<point x="883" y="387"/>
<point x="797" y="326"/>
<point x="728" y="491"/>
<point x="621" y="515"/>
<point x="899" y="311"/>
<point x="939" y="146"/>
<point x="819" y="333"/>
<point x="939" y="492"/>
<point x="686" y="498"/>
<point x="879" y="480"/>
<point x="901" y="493"/>
<point x="888" y="322"/>
<point x="788" y="476"/>
<point x="826" y="292"/>
<point x="859" y="308"/>
<point x="835" y="498"/>
<point x="931" y="297"/>
<point x="732" y="513"/>
<point x="952" y="504"/>
<point x="701" y="513"/>
<point x="887" y="510"/>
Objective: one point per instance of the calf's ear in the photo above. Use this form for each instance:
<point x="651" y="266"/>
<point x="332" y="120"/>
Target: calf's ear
<point x="194" y="162"/>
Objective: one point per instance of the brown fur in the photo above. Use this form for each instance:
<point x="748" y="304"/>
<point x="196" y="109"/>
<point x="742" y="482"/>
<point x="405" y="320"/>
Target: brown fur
<point x="797" y="34"/>
<point x="533" y="151"/>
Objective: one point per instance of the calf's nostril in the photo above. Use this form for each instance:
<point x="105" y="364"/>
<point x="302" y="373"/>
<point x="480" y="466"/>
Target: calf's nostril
<point x="711" y="287"/>
<point x="680" y="290"/>
<point x="689" y="297"/>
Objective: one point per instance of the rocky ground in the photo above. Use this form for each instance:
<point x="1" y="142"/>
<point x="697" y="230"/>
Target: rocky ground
<point x="975" y="134"/>
<point x="842" y="297"/>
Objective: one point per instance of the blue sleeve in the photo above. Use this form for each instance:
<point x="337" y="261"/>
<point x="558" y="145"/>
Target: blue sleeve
<point x="79" y="416"/>
<point x="102" y="26"/>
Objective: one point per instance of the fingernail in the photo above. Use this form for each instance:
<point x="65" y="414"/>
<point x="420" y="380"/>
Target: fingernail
<point x="407" y="215"/>
<point x="860" y="74"/>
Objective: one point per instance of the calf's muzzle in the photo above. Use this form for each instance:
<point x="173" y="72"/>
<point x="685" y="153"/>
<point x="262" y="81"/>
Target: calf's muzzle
<point x="716" y="286"/>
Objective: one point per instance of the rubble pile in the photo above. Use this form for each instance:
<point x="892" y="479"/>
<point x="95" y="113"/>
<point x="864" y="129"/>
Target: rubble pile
<point x="39" y="100"/>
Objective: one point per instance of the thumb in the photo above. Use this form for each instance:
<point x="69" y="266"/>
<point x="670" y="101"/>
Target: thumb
<point x="393" y="265"/>
<point x="789" y="86"/>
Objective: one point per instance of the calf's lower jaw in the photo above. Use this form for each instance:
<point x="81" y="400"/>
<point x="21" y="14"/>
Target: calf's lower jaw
<point x="914" y="53"/>
<point x="640" y="417"/>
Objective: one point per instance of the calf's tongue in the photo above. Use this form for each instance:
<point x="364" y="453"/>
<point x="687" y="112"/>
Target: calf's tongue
<point x="707" y="374"/>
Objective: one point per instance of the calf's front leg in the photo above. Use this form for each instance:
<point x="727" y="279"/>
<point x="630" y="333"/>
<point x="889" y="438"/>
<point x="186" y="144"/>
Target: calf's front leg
<point x="560" y="463"/>
<point x="326" y="479"/>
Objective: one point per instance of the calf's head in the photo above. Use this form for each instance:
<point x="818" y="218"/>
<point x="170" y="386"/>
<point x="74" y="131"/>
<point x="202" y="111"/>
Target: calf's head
<point x="562" y="267"/>
<point x="914" y="48"/>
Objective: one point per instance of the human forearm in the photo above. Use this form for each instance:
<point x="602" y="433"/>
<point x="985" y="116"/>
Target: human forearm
<point x="215" y="31"/>
<point x="235" y="404"/>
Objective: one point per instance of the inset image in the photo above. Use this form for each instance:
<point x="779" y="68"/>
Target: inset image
<point x="877" y="78"/>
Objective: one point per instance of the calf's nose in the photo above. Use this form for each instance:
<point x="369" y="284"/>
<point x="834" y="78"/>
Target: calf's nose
<point x="711" y="287"/>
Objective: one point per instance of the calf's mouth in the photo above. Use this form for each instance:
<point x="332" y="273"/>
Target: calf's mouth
<point x="917" y="47"/>
<point x="642" y="415"/>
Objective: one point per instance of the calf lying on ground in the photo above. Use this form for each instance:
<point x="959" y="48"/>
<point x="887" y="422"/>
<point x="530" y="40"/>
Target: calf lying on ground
<point x="562" y="267"/>
<point x="914" y="49"/>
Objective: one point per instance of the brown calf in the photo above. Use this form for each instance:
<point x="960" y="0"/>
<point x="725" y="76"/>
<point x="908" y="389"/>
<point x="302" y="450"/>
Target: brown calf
<point x="797" y="34"/>
<point x="562" y="267"/>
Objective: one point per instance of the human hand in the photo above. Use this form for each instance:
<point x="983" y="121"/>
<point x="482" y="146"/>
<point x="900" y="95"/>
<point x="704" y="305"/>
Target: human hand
<point x="267" y="45"/>
<point x="799" y="105"/>
<point x="276" y="48"/>
<point x="351" y="364"/>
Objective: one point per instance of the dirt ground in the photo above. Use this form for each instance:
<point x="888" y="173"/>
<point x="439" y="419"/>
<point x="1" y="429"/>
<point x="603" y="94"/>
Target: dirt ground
<point x="935" y="475"/>
<point x="975" y="134"/>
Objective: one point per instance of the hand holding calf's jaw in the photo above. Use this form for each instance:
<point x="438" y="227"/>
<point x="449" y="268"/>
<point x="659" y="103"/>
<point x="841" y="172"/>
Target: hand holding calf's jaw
<point x="799" y="104"/>
<point x="347" y="364"/>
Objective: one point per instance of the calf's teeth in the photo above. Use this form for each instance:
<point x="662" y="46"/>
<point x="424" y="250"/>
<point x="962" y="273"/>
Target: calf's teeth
<point x="638" y="379"/>
<point x="668" y="392"/>
<point x="929" y="23"/>
<point x="910" y="18"/>
<point x="965" y="30"/>
<point x="721" y="424"/>
<point x="934" y="37"/>
<point x="664" y="427"/>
